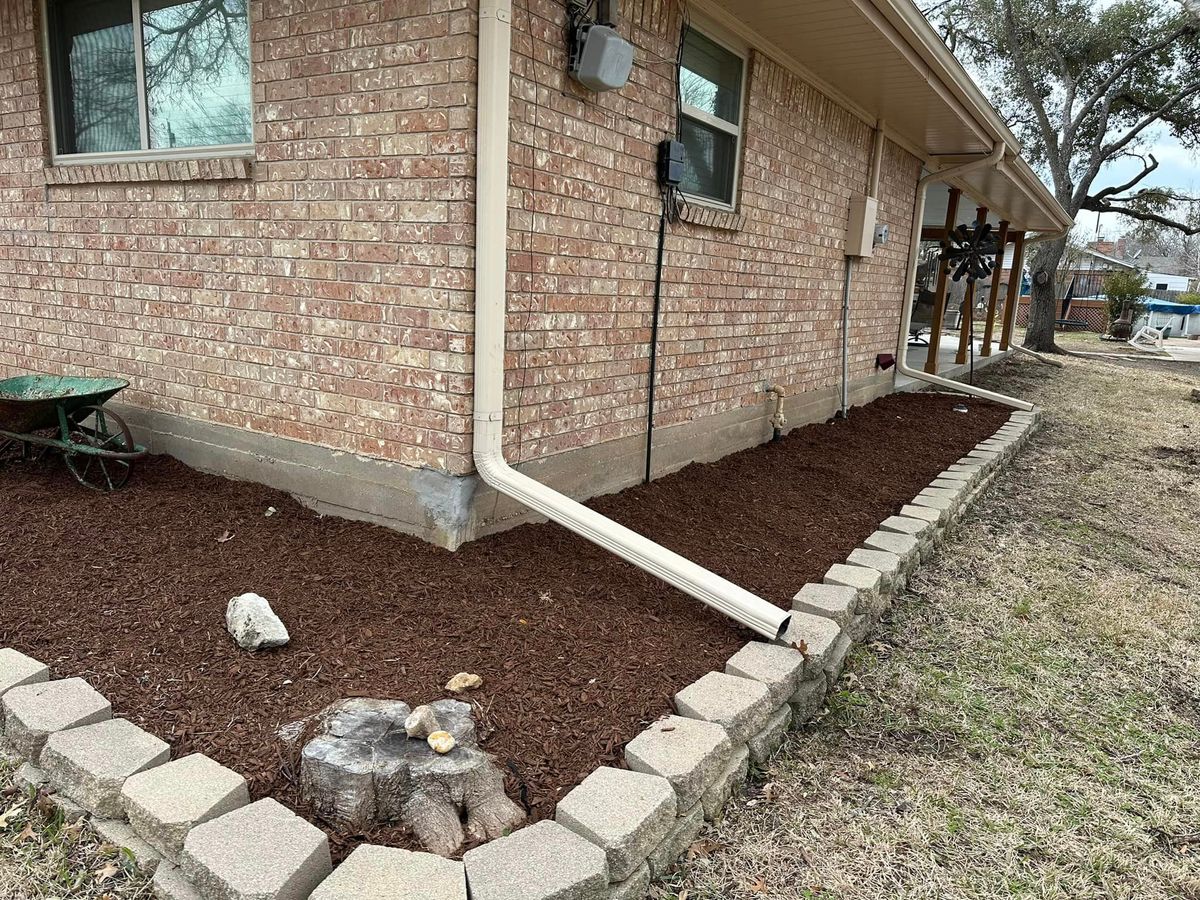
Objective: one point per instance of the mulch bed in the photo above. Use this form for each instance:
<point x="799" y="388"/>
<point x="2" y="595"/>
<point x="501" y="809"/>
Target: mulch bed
<point x="578" y="650"/>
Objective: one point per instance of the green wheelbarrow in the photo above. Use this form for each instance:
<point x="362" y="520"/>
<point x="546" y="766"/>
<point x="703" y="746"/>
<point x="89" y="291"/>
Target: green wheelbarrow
<point x="69" y="413"/>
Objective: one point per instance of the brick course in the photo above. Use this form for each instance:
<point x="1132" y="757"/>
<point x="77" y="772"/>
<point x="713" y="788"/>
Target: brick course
<point x="323" y="291"/>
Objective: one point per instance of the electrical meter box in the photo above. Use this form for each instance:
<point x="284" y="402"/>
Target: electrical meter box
<point x="860" y="231"/>
<point x="601" y="59"/>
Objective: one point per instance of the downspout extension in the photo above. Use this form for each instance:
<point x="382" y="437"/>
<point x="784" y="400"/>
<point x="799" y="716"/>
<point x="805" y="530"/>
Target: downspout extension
<point x="902" y="367"/>
<point x="491" y="229"/>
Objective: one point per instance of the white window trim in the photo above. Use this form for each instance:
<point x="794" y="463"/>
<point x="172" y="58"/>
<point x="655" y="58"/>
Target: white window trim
<point x="724" y="39"/>
<point x="145" y="154"/>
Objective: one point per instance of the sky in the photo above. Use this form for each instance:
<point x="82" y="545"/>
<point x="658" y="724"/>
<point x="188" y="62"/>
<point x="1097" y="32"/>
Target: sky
<point x="1177" y="168"/>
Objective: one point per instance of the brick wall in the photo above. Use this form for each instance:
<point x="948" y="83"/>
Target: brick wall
<point x="324" y="291"/>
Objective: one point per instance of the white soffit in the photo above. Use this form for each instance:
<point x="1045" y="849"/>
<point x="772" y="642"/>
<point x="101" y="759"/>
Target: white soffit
<point x="877" y="56"/>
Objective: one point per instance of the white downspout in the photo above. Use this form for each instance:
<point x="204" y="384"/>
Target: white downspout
<point x="902" y="366"/>
<point x="491" y="269"/>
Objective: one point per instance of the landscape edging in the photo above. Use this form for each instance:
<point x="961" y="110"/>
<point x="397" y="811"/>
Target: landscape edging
<point x="765" y="689"/>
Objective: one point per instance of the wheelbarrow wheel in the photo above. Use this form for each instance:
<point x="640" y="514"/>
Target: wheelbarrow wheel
<point x="101" y="429"/>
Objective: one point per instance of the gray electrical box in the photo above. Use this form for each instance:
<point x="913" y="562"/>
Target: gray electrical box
<point x="602" y="59"/>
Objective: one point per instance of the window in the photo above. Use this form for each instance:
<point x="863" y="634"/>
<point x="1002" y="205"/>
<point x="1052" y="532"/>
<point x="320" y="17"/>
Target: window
<point x="148" y="75"/>
<point x="1162" y="286"/>
<point x="710" y="89"/>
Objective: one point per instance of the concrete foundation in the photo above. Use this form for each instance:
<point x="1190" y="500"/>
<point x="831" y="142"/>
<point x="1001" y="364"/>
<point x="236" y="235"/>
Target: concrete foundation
<point x="450" y="510"/>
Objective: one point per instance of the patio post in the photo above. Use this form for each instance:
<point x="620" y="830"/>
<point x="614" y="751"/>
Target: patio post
<point x="989" y="326"/>
<point x="1014" y="290"/>
<point x="966" y="324"/>
<point x="939" y="298"/>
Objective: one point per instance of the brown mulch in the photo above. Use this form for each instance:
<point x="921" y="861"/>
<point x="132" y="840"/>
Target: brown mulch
<point x="577" y="649"/>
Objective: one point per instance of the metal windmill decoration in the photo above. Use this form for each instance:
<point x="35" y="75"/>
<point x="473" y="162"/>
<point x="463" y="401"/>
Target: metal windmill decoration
<point x="970" y="251"/>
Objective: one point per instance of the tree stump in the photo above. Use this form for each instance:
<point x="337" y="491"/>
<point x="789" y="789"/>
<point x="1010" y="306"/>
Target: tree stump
<point x="362" y="769"/>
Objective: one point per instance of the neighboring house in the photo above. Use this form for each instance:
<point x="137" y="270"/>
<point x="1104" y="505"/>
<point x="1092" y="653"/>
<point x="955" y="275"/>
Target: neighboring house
<point x="264" y="216"/>
<point x="1094" y="266"/>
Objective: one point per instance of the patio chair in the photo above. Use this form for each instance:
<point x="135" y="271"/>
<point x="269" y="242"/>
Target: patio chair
<point x="922" y="318"/>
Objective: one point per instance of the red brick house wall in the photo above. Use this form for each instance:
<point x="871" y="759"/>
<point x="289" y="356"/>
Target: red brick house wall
<point x="322" y="292"/>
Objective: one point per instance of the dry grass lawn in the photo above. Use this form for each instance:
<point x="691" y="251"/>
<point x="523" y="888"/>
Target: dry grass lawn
<point x="44" y="858"/>
<point x="1027" y="724"/>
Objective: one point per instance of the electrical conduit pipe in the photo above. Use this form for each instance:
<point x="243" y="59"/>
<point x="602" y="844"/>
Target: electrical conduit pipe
<point x="910" y="283"/>
<point x="491" y="269"/>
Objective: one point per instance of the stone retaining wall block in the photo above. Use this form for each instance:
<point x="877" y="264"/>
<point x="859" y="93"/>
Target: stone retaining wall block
<point x="739" y="705"/>
<point x="171" y="884"/>
<point x="632" y="888"/>
<point x="689" y="753"/>
<point x="868" y="582"/>
<point x="831" y="601"/>
<point x="624" y="813"/>
<point x="837" y="660"/>
<point x="542" y="862"/>
<point x="263" y="851"/>
<point x="90" y="763"/>
<point x="33" y="712"/>
<point x="888" y="565"/>
<point x="764" y="744"/>
<point x="119" y="833"/>
<point x="905" y="546"/>
<point x="389" y="873"/>
<point x="814" y="637"/>
<point x="165" y="803"/>
<point x="779" y="668"/>
<point x="729" y="783"/>
<point x="808" y="699"/>
<point x="17" y="669"/>
<point x="685" y="830"/>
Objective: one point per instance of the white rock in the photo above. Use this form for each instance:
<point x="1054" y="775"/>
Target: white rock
<point x="422" y="722"/>
<point x="253" y="624"/>
<point x="463" y="681"/>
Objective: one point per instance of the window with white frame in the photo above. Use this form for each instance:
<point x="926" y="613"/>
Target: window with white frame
<point x="129" y="76"/>
<point x="711" y="79"/>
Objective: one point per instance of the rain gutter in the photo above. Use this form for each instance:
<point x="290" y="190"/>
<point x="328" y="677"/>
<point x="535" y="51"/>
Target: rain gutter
<point x="491" y="271"/>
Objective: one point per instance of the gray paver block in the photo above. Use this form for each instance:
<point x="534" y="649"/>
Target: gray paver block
<point x="30" y="777"/>
<point x="833" y="601"/>
<point x="770" y="739"/>
<point x="814" y="637"/>
<point x="689" y="753"/>
<point x="861" y="627"/>
<point x="90" y="763"/>
<point x="905" y="546"/>
<point x="863" y="580"/>
<point x="729" y="783"/>
<point x="389" y="873"/>
<point x="934" y="500"/>
<point x="888" y="565"/>
<point x="924" y="513"/>
<point x="263" y="851"/>
<point x="837" y="660"/>
<point x="809" y="697"/>
<point x="740" y="705"/>
<point x="779" y="668"/>
<point x="945" y="483"/>
<point x="171" y="884"/>
<point x="919" y="528"/>
<point x="632" y="888"/>
<point x="165" y="803"/>
<point x="624" y="813"/>
<point x="545" y="861"/>
<point x="120" y="834"/>
<point x="687" y="826"/>
<point x="17" y="669"/>
<point x="33" y="712"/>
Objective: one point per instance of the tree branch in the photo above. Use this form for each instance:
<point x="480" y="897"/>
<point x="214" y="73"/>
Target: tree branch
<point x="1188" y="91"/>
<point x="1095" y="204"/>
<point x="1030" y="89"/>
<point x="1120" y="189"/>
<point x="1128" y="63"/>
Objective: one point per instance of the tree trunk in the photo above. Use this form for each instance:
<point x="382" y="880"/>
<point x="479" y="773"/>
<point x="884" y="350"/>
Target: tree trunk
<point x="1043" y="302"/>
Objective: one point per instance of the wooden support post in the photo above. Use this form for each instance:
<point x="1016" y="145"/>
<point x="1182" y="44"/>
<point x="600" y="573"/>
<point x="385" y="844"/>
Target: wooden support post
<point x="1014" y="290"/>
<point x="967" y="322"/>
<point x="989" y="325"/>
<point x="939" y="297"/>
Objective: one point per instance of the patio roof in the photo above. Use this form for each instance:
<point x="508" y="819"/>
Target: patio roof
<point x="883" y="60"/>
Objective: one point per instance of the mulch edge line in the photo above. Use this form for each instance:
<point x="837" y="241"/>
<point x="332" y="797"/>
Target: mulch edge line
<point x="761" y="731"/>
